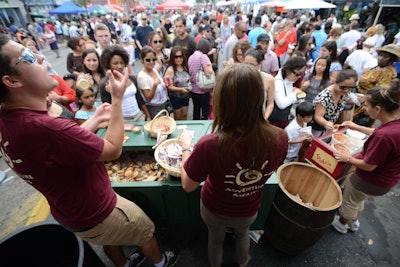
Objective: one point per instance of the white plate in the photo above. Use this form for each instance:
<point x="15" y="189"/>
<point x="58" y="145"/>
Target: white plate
<point x="355" y="134"/>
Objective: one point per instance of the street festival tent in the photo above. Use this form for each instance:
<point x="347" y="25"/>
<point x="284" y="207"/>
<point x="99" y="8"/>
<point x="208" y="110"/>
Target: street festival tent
<point x="311" y="4"/>
<point x="139" y="7"/>
<point x="173" y="4"/>
<point x="299" y="4"/>
<point x="97" y="10"/>
<point x="274" y="3"/>
<point x="67" y="8"/>
<point x="114" y="8"/>
<point x="225" y="3"/>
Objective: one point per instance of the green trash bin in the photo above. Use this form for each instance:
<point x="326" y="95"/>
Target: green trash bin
<point x="46" y="245"/>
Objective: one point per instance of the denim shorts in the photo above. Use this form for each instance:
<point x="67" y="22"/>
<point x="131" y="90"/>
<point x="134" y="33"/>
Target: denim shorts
<point x="179" y="102"/>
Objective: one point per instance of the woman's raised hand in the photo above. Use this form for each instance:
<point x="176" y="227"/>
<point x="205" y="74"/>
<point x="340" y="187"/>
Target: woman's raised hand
<point x="118" y="82"/>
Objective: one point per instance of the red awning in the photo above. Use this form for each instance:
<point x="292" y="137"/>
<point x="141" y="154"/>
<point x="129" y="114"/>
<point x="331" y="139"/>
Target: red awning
<point x="173" y="4"/>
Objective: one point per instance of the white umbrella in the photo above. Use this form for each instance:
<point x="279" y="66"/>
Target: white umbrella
<point x="302" y="4"/>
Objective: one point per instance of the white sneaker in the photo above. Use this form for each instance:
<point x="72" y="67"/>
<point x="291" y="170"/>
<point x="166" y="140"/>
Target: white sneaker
<point x="354" y="225"/>
<point x="341" y="228"/>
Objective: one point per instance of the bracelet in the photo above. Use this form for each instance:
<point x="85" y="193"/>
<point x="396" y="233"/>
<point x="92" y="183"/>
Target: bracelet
<point x="185" y="149"/>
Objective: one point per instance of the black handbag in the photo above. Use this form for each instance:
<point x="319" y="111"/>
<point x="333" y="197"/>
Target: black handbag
<point x="280" y="115"/>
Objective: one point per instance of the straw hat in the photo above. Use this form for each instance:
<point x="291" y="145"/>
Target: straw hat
<point x="354" y="17"/>
<point x="391" y="49"/>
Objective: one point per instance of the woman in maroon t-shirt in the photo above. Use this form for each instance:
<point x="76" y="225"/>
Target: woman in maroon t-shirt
<point x="234" y="161"/>
<point x="378" y="168"/>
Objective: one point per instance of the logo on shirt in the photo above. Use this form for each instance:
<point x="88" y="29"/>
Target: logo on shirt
<point x="245" y="178"/>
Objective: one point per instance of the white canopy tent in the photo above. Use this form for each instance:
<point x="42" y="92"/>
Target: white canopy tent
<point x="311" y="4"/>
<point x="225" y="3"/>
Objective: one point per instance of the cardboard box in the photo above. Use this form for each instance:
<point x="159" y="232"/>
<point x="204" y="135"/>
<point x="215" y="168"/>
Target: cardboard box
<point x="320" y="154"/>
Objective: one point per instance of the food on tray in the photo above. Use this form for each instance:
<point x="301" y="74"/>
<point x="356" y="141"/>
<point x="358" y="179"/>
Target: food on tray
<point x="137" y="129"/>
<point x="340" y="138"/>
<point x="341" y="148"/>
<point x="161" y="128"/>
<point x="128" y="127"/>
<point x="130" y="168"/>
<point x="126" y="137"/>
<point x="301" y="95"/>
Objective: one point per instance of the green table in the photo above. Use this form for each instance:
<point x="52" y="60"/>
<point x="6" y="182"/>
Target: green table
<point x="167" y="202"/>
<point x="142" y="141"/>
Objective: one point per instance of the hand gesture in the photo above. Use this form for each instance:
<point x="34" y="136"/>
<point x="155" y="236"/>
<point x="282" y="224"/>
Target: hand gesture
<point x="185" y="139"/>
<point x="342" y="156"/>
<point x="54" y="96"/>
<point x="329" y="126"/>
<point x="348" y="124"/>
<point x="118" y="83"/>
<point x="297" y="90"/>
<point x="157" y="81"/>
<point x="103" y="112"/>
<point x="306" y="84"/>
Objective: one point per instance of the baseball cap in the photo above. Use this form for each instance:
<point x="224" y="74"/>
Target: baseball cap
<point x="70" y="76"/>
<point x="207" y="27"/>
<point x="263" y="37"/>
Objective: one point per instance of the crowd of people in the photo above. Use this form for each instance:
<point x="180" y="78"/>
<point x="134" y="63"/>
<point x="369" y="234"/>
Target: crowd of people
<point x="271" y="76"/>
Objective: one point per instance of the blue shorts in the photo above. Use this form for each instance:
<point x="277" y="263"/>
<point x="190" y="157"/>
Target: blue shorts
<point x="54" y="46"/>
<point x="179" y="102"/>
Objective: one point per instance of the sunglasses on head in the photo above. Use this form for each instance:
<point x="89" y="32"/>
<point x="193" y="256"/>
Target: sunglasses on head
<point x="26" y="56"/>
<point x="178" y="56"/>
<point x="344" y="87"/>
<point x="297" y="74"/>
<point x="157" y="41"/>
<point x="150" y="59"/>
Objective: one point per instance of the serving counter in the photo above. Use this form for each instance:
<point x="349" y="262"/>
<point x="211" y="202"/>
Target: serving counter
<point x="166" y="201"/>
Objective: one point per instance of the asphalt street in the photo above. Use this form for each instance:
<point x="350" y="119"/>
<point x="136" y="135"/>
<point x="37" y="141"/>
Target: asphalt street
<point x="377" y="243"/>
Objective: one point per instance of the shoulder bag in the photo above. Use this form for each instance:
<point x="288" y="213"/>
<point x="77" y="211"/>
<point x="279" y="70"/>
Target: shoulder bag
<point x="280" y="115"/>
<point x="203" y="82"/>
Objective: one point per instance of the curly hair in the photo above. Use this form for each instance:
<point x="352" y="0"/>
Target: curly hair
<point x="111" y="51"/>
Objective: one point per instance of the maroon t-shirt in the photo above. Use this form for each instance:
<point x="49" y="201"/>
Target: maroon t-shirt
<point x="382" y="148"/>
<point x="233" y="191"/>
<point x="58" y="158"/>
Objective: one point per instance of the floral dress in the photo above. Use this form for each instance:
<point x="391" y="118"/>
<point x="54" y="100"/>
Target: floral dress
<point x="325" y="98"/>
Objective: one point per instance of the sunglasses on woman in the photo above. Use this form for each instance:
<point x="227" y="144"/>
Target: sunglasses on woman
<point x="178" y="56"/>
<point x="297" y="74"/>
<point x="157" y="41"/>
<point x="150" y="59"/>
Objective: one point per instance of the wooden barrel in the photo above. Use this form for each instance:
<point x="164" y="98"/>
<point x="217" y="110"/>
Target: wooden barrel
<point x="303" y="208"/>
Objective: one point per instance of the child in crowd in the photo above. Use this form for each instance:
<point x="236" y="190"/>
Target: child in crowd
<point x="70" y="79"/>
<point x="87" y="105"/>
<point x="131" y="52"/>
<point x="304" y="114"/>
<point x="318" y="79"/>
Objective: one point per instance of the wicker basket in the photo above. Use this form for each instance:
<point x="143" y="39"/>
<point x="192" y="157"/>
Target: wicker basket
<point x="168" y="169"/>
<point x="158" y="120"/>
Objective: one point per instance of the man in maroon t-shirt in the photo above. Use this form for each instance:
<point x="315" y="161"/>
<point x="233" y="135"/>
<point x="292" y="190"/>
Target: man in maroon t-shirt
<point x="64" y="161"/>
